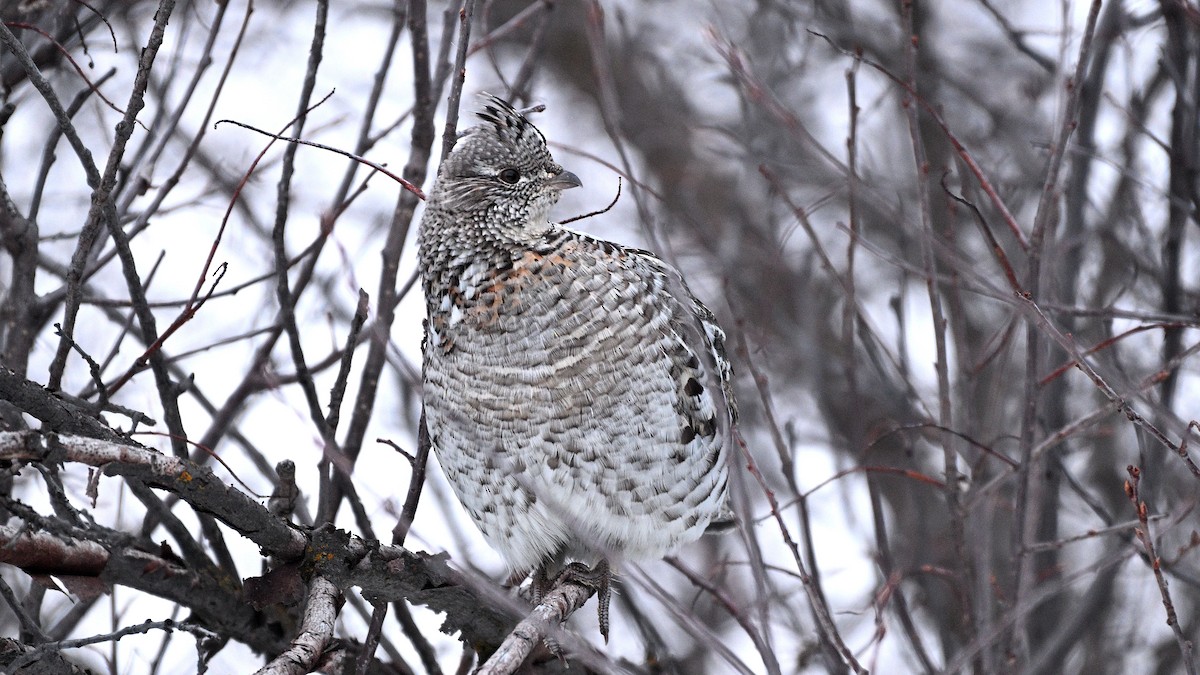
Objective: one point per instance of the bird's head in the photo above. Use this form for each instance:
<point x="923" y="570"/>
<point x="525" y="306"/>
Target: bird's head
<point x="502" y="168"/>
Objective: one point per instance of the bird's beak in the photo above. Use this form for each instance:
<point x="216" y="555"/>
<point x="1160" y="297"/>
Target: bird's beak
<point x="565" y="180"/>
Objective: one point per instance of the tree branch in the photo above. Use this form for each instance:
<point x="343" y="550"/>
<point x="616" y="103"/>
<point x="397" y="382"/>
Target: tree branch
<point x="541" y="623"/>
<point x="316" y="630"/>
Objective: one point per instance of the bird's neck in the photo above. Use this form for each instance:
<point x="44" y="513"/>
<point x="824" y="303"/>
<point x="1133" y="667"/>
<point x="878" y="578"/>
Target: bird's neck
<point x="450" y="240"/>
<point x="479" y="231"/>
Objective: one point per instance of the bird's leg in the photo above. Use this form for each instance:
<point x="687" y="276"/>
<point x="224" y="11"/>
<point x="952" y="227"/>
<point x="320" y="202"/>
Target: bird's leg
<point x="596" y="578"/>
<point x="540" y="583"/>
<point x="599" y="579"/>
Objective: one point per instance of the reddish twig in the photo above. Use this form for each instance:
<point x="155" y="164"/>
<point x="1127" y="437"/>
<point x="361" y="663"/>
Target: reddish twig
<point x="997" y="249"/>
<point x="186" y="315"/>
<point x="892" y="470"/>
<point x="963" y="153"/>
<point x="824" y="618"/>
<point x="1106" y="343"/>
<point x="1119" y="528"/>
<point x="70" y="59"/>
<point x="1123" y="406"/>
<point x="210" y="453"/>
<point x="770" y="660"/>
<point x="929" y="425"/>
<point x="1143" y="535"/>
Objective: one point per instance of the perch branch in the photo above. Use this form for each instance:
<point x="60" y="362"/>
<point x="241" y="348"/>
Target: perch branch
<point x="316" y="630"/>
<point x="543" y="621"/>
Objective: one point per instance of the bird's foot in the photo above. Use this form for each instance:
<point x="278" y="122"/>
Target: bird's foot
<point x="596" y="578"/>
<point x="540" y="584"/>
<point x="599" y="579"/>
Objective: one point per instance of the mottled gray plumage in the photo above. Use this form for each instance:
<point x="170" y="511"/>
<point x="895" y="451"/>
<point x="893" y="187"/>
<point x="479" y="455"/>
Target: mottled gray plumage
<point x="577" y="394"/>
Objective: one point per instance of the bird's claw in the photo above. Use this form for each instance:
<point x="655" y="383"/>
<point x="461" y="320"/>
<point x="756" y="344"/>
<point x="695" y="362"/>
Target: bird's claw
<point x="599" y="579"/>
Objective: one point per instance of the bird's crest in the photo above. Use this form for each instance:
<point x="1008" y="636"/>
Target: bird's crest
<point x="509" y="123"/>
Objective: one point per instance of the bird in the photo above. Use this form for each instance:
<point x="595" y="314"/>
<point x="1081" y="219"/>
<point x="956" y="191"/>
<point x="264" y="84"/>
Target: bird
<point x="577" y="395"/>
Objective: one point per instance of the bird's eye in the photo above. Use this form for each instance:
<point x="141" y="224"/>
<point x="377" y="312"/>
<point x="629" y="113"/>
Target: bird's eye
<point x="510" y="176"/>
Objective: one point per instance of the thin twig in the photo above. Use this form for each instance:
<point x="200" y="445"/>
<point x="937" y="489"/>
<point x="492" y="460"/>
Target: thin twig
<point x="202" y="635"/>
<point x="820" y="609"/>
<point x="387" y="296"/>
<point x="29" y="624"/>
<point x="606" y="209"/>
<point x="449" y="136"/>
<point x="381" y="168"/>
<point x="1132" y="490"/>
<point x="731" y="606"/>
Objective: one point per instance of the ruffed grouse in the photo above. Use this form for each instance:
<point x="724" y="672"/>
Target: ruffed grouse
<point x="577" y="395"/>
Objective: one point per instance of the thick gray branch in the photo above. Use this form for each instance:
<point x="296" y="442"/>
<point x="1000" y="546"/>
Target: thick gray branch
<point x="316" y="630"/>
<point x="473" y="607"/>
<point x="543" y="621"/>
<point x="196" y="484"/>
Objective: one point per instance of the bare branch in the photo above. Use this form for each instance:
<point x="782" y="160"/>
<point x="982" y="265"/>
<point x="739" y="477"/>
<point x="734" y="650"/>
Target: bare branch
<point x="541" y="623"/>
<point x="316" y="630"/>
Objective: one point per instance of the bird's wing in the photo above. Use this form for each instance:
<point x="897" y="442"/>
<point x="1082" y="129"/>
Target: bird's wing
<point x="698" y="329"/>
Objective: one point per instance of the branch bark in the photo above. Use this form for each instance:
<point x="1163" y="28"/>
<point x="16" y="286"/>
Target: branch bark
<point x="316" y="630"/>
<point x="383" y="573"/>
<point x="541" y="623"/>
